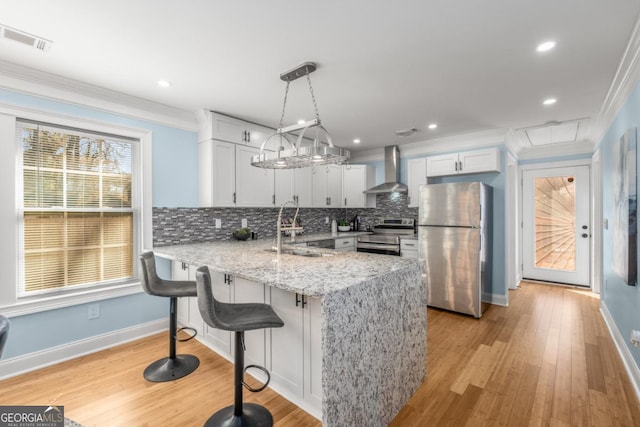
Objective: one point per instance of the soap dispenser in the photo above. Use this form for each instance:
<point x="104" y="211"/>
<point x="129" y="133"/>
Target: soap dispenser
<point x="334" y="226"/>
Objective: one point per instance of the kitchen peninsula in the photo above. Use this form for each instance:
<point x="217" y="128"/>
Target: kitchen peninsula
<point x="369" y="327"/>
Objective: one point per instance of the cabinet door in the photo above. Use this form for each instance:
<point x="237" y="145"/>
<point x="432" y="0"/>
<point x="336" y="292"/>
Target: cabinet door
<point x="442" y="165"/>
<point x="319" y="184"/>
<point x="313" y="353"/>
<point x="287" y="342"/>
<point x="254" y="186"/>
<point x="355" y="180"/>
<point x="417" y="175"/>
<point x="303" y="187"/>
<point x="256" y="135"/>
<point x="284" y="187"/>
<point x="480" y="161"/>
<point x="223" y="173"/>
<point x="220" y="340"/>
<point x="228" y="129"/>
<point x="334" y="185"/>
<point x="247" y="291"/>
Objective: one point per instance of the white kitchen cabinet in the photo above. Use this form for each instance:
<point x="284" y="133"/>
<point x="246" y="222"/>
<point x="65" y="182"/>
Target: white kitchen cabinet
<point x="247" y="291"/>
<point x="254" y="186"/>
<point x="224" y="128"/>
<point x="467" y="162"/>
<point x="287" y="350"/>
<point x="188" y="312"/>
<point x="296" y="348"/>
<point x="227" y="178"/>
<point x="327" y="186"/>
<point x="355" y="180"/>
<point x="345" y="244"/>
<point x="417" y="175"/>
<point x="218" y="339"/>
<point x="293" y="184"/>
<point x="409" y="248"/>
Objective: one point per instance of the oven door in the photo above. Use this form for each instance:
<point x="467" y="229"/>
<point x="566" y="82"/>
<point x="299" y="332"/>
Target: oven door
<point x="376" y="248"/>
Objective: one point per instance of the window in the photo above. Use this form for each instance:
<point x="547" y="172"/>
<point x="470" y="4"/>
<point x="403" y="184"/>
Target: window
<point x="78" y="210"/>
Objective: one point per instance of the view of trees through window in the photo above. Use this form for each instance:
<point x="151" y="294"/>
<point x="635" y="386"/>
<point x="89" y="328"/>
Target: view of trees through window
<point x="78" y="216"/>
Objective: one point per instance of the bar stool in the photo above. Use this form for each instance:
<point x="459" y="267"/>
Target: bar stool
<point x="4" y="332"/>
<point x="172" y="367"/>
<point x="237" y="318"/>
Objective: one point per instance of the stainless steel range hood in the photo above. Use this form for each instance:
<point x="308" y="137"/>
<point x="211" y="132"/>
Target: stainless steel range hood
<point x="392" y="182"/>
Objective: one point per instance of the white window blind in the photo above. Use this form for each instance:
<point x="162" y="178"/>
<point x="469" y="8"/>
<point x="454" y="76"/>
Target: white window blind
<point x="78" y="217"/>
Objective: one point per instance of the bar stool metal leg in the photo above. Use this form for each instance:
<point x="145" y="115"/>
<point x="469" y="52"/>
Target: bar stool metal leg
<point x="240" y="414"/>
<point x="175" y="366"/>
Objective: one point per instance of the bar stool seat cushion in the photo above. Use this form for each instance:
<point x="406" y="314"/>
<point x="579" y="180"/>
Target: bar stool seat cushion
<point x="154" y="285"/>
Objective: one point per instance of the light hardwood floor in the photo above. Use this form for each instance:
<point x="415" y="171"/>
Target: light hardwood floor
<point x="547" y="359"/>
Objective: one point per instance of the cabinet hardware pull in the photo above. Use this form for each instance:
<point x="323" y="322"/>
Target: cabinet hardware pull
<point x="248" y="136"/>
<point x="304" y="301"/>
<point x="234" y="197"/>
<point x="228" y="279"/>
<point x="273" y="199"/>
<point x="460" y="169"/>
<point x="184" y="266"/>
<point x="297" y="300"/>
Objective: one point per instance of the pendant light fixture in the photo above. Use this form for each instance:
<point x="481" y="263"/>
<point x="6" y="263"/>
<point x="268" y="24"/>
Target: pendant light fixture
<point x="297" y="150"/>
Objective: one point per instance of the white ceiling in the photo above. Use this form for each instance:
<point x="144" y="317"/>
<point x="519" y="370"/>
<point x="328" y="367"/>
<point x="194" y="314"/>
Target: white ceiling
<point x="382" y="66"/>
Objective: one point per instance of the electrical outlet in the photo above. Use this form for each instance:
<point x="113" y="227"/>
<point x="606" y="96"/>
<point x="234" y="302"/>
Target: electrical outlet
<point x="244" y="222"/>
<point x="326" y="220"/>
<point x="218" y="223"/>
<point x="635" y="338"/>
<point x="94" y="311"/>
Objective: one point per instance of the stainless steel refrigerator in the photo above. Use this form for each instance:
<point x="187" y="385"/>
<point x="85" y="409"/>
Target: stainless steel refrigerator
<point x="454" y="235"/>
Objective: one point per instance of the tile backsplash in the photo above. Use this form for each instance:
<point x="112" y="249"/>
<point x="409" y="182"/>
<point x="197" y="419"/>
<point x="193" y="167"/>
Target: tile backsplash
<point x="173" y="226"/>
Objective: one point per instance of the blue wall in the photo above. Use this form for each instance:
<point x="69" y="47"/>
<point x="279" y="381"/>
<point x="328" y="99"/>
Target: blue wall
<point x="175" y="184"/>
<point x="622" y="301"/>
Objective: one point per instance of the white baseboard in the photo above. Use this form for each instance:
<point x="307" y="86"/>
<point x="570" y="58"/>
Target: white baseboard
<point x="627" y="359"/>
<point x="50" y="356"/>
<point x="496" y="299"/>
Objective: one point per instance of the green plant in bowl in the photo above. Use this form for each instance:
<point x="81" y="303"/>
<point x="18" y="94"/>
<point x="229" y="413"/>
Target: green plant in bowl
<point x="242" y="233"/>
<point x="343" y="222"/>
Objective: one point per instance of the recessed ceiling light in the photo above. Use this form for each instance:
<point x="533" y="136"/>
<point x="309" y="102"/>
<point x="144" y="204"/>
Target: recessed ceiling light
<point x="164" y="83"/>
<point x="550" y="101"/>
<point x="433" y="126"/>
<point x="356" y="141"/>
<point x="543" y="47"/>
<point x="302" y="121"/>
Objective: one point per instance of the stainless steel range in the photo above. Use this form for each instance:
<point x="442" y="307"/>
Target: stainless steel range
<point x="386" y="236"/>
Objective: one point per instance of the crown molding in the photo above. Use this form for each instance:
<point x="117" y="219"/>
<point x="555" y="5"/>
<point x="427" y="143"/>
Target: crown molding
<point x="625" y="79"/>
<point x="469" y="141"/>
<point x="44" y="85"/>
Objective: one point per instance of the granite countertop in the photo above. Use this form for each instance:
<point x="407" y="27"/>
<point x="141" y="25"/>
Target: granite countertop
<point x="313" y="276"/>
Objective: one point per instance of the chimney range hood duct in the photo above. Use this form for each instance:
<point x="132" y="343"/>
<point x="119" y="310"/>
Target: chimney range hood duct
<point x="392" y="182"/>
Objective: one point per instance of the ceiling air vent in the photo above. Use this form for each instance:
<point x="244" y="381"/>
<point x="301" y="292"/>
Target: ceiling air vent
<point x="25" y="38"/>
<point x="554" y="132"/>
<point x="406" y="132"/>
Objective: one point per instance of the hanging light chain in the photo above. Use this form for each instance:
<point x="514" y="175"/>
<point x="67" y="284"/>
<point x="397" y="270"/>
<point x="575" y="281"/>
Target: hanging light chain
<point x="284" y="105"/>
<point x="313" y="97"/>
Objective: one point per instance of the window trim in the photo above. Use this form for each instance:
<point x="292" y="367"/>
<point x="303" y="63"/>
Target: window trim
<point x="10" y="304"/>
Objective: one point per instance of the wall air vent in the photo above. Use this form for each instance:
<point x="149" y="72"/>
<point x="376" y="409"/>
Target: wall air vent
<point x="25" y="38"/>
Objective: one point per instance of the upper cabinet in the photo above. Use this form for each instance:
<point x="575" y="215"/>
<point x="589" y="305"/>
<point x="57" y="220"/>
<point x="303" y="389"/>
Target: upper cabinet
<point x="327" y="186"/>
<point x="355" y="180"/>
<point x="295" y="185"/>
<point x="417" y="175"/>
<point x="227" y="178"/>
<point x="229" y="129"/>
<point x="467" y="162"/>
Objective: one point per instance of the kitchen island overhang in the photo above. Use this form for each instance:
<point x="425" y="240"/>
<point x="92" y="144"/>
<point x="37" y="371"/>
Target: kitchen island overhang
<point x="373" y="320"/>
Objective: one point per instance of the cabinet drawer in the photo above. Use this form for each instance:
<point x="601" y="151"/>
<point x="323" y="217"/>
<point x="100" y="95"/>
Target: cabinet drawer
<point x="346" y="242"/>
<point x="408" y="245"/>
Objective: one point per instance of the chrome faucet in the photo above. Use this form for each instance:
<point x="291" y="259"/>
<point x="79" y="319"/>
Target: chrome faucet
<point x="280" y="229"/>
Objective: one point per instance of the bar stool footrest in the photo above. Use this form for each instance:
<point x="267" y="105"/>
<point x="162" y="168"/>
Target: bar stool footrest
<point x="189" y="338"/>
<point x="259" y="389"/>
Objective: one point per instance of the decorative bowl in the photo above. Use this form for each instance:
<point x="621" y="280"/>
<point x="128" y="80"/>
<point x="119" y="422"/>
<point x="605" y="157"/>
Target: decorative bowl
<point x="344" y="228"/>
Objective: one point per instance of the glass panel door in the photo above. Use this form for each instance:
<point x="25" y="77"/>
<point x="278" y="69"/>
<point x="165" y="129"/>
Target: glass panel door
<point x="556" y="225"/>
